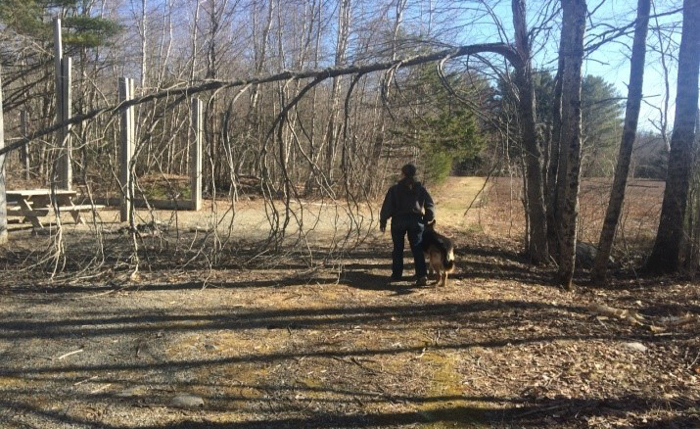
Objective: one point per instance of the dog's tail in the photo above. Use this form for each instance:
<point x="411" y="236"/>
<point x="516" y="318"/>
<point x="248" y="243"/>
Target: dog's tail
<point x="449" y="259"/>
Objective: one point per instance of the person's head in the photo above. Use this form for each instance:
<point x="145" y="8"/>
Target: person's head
<point x="409" y="171"/>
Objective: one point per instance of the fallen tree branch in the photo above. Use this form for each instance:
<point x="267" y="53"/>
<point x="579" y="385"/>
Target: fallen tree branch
<point x="507" y="51"/>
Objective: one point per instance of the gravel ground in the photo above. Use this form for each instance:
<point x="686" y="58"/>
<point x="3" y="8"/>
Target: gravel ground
<point x="278" y="347"/>
<point x="263" y="342"/>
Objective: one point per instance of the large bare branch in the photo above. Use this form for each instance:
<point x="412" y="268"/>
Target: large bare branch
<point x="503" y="49"/>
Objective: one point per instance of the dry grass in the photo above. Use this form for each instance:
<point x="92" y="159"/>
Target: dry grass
<point x="502" y="216"/>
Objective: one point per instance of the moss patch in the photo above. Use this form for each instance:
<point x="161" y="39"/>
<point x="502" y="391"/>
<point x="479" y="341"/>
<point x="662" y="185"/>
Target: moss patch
<point x="451" y="408"/>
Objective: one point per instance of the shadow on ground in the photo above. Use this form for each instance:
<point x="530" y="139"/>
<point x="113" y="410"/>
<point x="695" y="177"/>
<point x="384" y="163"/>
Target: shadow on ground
<point x="278" y="349"/>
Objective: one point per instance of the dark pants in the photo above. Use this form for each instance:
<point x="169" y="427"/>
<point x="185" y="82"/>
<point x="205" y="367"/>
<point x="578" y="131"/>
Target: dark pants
<point x="400" y="226"/>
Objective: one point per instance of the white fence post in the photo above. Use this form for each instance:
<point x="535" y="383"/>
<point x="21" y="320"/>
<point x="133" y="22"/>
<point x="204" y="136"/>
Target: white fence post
<point x="196" y="153"/>
<point x="126" y="92"/>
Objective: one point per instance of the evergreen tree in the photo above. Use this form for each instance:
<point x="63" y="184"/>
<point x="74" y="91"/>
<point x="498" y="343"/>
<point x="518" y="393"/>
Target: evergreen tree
<point x="446" y="129"/>
<point x="32" y="18"/>
<point x="602" y="126"/>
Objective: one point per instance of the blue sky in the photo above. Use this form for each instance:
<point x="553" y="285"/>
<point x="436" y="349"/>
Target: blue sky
<point x="611" y="61"/>
<point x="472" y="21"/>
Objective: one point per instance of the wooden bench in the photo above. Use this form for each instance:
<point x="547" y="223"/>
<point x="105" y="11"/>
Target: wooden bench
<point x="19" y="211"/>
<point x="76" y="210"/>
<point x="44" y="211"/>
<point x="15" y="210"/>
<point x="35" y="203"/>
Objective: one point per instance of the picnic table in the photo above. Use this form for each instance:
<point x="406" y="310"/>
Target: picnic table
<point x="31" y="204"/>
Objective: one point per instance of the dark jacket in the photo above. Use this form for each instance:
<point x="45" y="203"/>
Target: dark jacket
<point x="402" y="199"/>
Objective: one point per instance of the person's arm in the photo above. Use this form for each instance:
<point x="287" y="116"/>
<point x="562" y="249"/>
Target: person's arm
<point x="428" y="207"/>
<point x="387" y="210"/>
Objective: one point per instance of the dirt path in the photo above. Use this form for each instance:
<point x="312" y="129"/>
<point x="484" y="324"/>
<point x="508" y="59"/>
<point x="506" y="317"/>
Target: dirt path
<point x="282" y="347"/>
<point x="271" y="348"/>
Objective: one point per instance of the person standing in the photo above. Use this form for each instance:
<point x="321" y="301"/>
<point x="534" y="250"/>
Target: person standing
<point x="409" y="206"/>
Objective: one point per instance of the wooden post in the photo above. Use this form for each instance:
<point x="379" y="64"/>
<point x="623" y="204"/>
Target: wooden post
<point x="3" y="197"/>
<point x="24" y="150"/>
<point x="65" y="170"/>
<point x="126" y="92"/>
<point x="196" y="153"/>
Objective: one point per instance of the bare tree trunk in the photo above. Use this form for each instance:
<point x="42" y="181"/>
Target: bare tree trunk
<point x="194" y="42"/>
<point x="3" y="198"/>
<point x="210" y="123"/>
<point x="24" y="154"/>
<point x="664" y="256"/>
<point x="634" y="101"/>
<point x="254" y="115"/>
<point x="341" y="47"/>
<point x="193" y="66"/>
<point x="556" y="162"/>
<point x="575" y="15"/>
<point x="400" y="7"/>
<point x="537" y="248"/>
<point x="375" y="183"/>
<point x="144" y="44"/>
<point x="165" y="48"/>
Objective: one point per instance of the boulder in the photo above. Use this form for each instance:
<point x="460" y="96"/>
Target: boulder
<point x="586" y="254"/>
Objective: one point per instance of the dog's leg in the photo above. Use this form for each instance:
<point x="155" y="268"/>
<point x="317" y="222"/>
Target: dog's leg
<point x="444" y="281"/>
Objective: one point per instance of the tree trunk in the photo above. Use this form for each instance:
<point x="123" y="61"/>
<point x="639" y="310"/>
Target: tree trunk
<point x="575" y="16"/>
<point x="629" y="133"/>
<point x="332" y="129"/>
<point x="537" y="248"/>
<point x="664" y="256"/>
<point x="144" y="46"/>
<point x="3" y="198"/>
<point x="556" y="161"/>
<point x="193" y="65"/>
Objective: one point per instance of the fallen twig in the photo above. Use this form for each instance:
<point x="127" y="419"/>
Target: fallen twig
<point x="74" y="352"/>
<point x="84" y="381"/>
<point x="543" y="410"/>
<point x="629" y="315"/>
<point x="101" y="388"/>
<point x="97" y="294"/>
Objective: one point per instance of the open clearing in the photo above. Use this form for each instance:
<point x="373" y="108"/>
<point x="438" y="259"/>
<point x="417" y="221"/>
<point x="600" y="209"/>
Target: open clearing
<point x="281" y="346"/>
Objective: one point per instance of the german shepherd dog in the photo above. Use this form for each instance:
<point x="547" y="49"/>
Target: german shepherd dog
<point x="439" y="251"/>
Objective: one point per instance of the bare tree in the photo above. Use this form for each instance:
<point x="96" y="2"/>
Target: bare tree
<point x="3" y="201"/>
<point x="195" y="32"/>
<point x="629" y="134"/>
<point x="143" y="30"/>
<point x="557" y="165"/>
<point x="665" y="255"/>
<point x="333" y="128"/>
<point x="574" y="19"/>
<point x="537" y="239"/>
